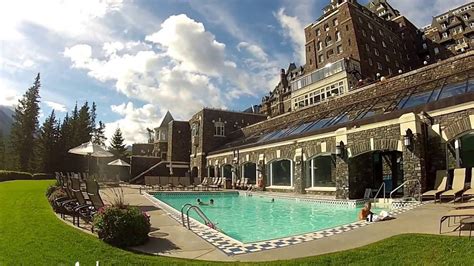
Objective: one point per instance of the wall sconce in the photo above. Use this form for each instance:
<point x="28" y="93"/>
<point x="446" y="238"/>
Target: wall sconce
<point x="298" y="159"/>
<point x="340" y="147"/>
<point x="408" y="138"/>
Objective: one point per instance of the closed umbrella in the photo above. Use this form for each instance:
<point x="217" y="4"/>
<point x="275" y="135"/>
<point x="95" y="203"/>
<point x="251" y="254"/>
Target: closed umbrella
<point x="90" y="149"/>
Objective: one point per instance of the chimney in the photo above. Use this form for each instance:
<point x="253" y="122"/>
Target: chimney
<point x="283" y="80"/>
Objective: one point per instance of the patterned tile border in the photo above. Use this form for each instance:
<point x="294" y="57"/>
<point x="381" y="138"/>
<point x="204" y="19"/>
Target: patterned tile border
<point x="233" y="247"/>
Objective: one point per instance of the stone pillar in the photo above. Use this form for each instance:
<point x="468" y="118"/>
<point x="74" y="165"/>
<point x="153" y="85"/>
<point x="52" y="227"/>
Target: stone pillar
<point x="414" y="155"/>
<point x="342" y="178"/>
<point x="298" y="172"/>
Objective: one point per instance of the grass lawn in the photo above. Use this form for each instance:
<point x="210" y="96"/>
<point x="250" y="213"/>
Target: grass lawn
<point x="31" y="234"/>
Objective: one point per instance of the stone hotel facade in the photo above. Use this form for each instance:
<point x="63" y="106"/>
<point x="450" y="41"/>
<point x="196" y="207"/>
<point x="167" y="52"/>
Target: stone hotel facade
<point x="340" y="125"/>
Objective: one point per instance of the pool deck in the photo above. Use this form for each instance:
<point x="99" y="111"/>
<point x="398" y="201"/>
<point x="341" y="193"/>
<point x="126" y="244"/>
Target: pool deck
<point x="170" y="238"/>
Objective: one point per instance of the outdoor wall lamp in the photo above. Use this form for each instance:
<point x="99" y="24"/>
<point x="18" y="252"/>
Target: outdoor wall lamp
<point x="340" y="147"/>
<point x="408" y="138"/>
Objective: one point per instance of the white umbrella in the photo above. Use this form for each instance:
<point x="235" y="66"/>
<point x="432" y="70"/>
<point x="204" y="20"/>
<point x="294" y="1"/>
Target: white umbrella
<point x="119" y="162"/>
<point x="90" y="149"/>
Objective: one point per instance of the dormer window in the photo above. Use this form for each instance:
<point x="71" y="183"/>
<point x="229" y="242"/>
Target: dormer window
<point x="219" y="128"/>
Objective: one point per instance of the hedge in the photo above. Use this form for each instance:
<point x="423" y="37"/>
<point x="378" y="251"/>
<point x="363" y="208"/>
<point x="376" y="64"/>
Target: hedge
<point x="15" y="175"/>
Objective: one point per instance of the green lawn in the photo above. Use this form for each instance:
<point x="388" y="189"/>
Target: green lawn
<point x="31" y="234"/>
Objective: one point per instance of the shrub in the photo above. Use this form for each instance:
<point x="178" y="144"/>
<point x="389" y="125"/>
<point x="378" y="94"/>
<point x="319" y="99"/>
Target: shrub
<point x="53" y="193"/>
<point x="122" y="227"/>
<point x="14" y="175"/>
<point x="42" y="176"/>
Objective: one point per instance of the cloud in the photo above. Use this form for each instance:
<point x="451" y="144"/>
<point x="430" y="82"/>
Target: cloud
<point x="293" y="31"/>
<point x="134" y="122"/>
<point x="255" y="50"/>
<point x="56" y="106"/>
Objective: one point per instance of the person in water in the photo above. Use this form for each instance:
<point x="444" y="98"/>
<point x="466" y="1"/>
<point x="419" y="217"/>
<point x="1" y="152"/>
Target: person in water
<point x="211" y="202"/>
<point x="365" y="212"/>
<point x="367" y="215"/>
<point x="200" y="202"/>
<point x="273" y="200"/>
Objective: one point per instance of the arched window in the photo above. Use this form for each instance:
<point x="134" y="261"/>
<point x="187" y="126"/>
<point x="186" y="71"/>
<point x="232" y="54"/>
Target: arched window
<point x="320" y="46"/>
<point x="281" y="173"/>
<point x="338" y="36"/>
<point x="328" y="40"/>
<point x="320" y="171"/>
<point x="227" y="171"/>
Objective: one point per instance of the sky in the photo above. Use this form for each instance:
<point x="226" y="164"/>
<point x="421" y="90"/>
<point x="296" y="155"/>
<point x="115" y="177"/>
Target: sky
<point x="139" y="58"/>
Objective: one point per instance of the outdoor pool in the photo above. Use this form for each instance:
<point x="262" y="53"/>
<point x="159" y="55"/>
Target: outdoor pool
<point x="256" y="218"/>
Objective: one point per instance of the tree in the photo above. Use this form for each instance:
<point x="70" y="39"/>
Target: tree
<point x="2" y="151"/>
<point x="25" y="127"/>
<point x="117" y="147"/>
<point x="99" y="134"/>
<point x="48" y="144"/>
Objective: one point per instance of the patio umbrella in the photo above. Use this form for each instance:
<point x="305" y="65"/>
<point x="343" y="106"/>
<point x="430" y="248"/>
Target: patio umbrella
<point x="90" y="149"/>
<point x="119" y="162"/>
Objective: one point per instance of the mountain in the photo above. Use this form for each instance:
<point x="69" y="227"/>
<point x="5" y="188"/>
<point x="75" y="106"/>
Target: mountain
<point x="6" y="119"/>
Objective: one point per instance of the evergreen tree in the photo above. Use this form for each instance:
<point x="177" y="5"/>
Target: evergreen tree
<point x="2" y="151"/>
<point x="84" y="128"/>
<point x="117" y="147"/>
<point x="48" y="144"/>
<point x="25" y="127"/>
<point x="99" y="134"/>
<point x="65" y="143"/>
<point x="93" y="116"/>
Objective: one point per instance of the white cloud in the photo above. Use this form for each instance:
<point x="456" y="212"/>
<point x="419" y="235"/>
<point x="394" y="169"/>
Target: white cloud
<point x="66" y="17"/>
<point x="56" y="106"/>
<point x="255" y="50"/>
<point x="134" y="122"/>
<point x="293" y="31"/>
<point x="9" y="95"/>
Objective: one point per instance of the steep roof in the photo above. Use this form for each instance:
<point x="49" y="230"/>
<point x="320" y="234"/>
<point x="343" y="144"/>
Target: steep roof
<point x="166" y="120"/>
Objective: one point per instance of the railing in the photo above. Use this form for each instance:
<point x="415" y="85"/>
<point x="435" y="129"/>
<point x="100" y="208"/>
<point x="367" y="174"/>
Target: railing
<point x="198" y="211"/>
<point x="406" y="182"/>
<point x="378" y="191"/>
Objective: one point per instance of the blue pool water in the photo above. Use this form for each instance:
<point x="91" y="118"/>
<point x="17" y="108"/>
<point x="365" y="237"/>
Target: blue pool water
<point x="252" y="219"/>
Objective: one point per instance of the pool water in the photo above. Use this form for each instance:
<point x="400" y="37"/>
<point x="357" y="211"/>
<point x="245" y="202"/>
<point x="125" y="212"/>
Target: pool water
<point x="256" y="218"/>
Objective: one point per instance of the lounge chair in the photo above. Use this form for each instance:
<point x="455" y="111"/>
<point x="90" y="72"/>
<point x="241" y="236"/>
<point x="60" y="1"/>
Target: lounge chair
<point x="237" y="184"/>
<point x="440" y="185"/>
<point x="216" y="185"/>
<point x="458" y="185"/>
<point x="455" y="214"/>
<point x="92" y="188"/>
<point x="152" y="182"/>
<point x="244" y="184"/>
<point x="470" y="192"/>
<point x="82" y="208"/>
<point x="203" y="184"/>
<point x="465" y="205"/>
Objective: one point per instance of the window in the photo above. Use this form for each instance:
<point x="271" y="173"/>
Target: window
<point x="310" y="61"/>
<point x="383" y="44"/>
<point x="363" y="33"/>
<point x="321" y="58"/>
<point x="372" y="38"/>
<point x="445" y="35"/>
<point x="370" y="62"/>
<point x="387" y="58"/>
<point x="318" y="32"/>
<point x="330" y="53"/>
<point x="328" y="41"/>
<point x="335" y="22"/>
<point x="321" y="169"/>
<point x="326" y="27"/>
<point x="379" y="66"/>
<point x="320" y="46"/>
<point x="390" y="71"/>
<point x="381" y="32"/>
<point x="370" y="26"/>
<point x="436" y="50"/>
<point x="219" y="126"/>
<point x="195" y="129"/>
<point x="425" y="46"/>
<point x="367" y="47"/>
<point x="376" y="52"/>
<point x="281" y="173"/>
<point x="397" y="64"/>
<point x="339" y="49"/>
<point x="338" y="36"/>
<point x="360" y="19"/>
<point x="309" y="48"/>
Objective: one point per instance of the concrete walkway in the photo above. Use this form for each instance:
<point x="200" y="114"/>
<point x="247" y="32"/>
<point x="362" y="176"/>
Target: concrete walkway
<point x="169" y="238"/>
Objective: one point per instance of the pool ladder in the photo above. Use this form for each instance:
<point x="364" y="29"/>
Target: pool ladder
<point x="197" y="210"/>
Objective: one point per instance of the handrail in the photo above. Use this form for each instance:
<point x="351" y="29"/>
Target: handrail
<point x="200" y="213"/>
<point x="182" y="213"/>
<point x="406" y="182"/>
<point x="378" y="191"/>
